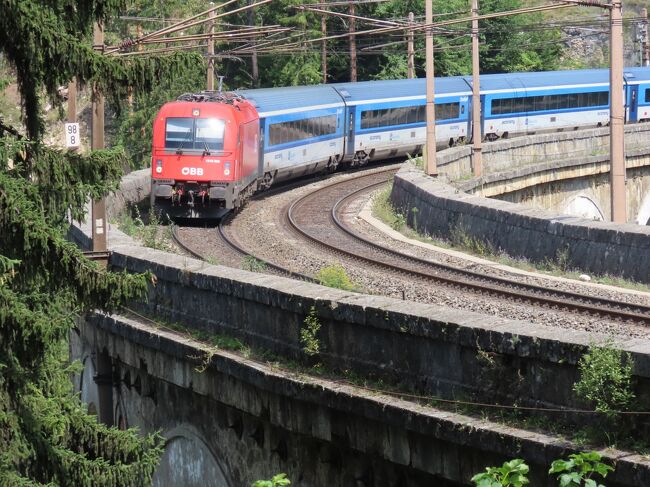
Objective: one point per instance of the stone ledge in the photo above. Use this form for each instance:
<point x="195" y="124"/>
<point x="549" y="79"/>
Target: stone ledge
<point x="421" y="428"/>
<point x="535" y="234"/>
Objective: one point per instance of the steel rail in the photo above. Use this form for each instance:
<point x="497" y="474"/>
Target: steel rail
<point x="496" y="286"/>
<point x="235" y="246"/>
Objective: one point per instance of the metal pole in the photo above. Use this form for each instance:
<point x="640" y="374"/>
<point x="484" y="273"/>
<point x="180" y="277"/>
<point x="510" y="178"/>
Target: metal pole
<point x="617" y="115"/>
<point x="323" y="55"/>
<point x="210" y="83"/>
<point x="411" y="48"/>
<point x="431" y="168"/>
<point x="72" y="101"/>
<point x="353" y="46"/>
<point x="477" y="156"/>
<point x="99" y="206"/>
<point x="645" y="42"/>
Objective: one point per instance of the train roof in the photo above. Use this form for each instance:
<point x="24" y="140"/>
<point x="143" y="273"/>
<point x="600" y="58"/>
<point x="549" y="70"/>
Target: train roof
<point x="637" y="74"/>
<point x="546" y="79"/>
<point x="393" y="90"/>
<point x="272" y="101"/>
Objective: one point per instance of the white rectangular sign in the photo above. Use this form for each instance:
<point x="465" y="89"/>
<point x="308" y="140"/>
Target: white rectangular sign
<point x="72" y="135"/>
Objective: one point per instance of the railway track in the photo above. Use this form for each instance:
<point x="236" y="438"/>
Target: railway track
<point x="231" y="243"/>
<point x="319" y="218"/>
<point x="235" y="247"/>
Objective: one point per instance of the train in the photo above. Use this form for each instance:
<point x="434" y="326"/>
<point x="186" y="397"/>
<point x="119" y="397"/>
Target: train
<point x="212" y="150"/>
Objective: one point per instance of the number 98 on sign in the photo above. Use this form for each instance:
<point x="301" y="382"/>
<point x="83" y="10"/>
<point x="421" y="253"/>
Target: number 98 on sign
<point x="72" y="135"/>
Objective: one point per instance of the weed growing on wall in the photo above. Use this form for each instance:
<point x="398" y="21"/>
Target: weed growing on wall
<point x="309" y="334"/>
<point x="511" y="474"/>
<point x="606" y="379"/>
<point x="579" y="469"/>
<point x="460" y="237"/>
<point x="279" y="480"/>
<point x="150" y="233"/>
<point x="336" y="277"/>
<point x="252" y="264"/>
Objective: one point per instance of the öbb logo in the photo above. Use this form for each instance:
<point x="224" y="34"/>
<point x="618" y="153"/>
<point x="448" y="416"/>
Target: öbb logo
<point x="192" y="171"/>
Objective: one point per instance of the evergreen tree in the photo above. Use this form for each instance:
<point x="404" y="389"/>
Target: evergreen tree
<point x="46" y="437"/>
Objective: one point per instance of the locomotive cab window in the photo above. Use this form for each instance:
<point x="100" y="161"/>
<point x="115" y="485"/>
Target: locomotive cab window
<point x="209" y="134"/>
<point x="194" y="133"/>
<point x="647" y="95"/>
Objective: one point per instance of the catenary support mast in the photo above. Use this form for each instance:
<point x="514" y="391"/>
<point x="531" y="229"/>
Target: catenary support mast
<point x="477" y="155"/>
<point x="431" y="168"/>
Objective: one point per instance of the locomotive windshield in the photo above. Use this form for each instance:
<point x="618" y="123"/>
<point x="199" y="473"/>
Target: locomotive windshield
<point x="204" y="134"/>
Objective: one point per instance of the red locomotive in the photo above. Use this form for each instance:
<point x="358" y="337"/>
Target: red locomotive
<point x="205" y="154"/>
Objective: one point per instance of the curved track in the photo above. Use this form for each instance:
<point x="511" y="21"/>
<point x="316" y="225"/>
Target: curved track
<point x="318" y="217"/>
<point x="232" y="244"/>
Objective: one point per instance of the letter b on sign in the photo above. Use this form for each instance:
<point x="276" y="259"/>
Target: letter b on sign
<point x="192" y="171"/>
<point x="72" y="135"/>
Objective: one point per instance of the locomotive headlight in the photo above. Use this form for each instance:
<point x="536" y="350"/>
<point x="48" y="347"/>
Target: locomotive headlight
<point x="159" y="166"/>
<point x="226" y="169"/>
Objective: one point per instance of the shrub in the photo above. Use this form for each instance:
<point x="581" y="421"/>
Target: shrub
<point x="308" y="334"/>
<point x="578" y="470"/>
<point x="279" y="480"/>
<point x="511" y="474"/>
<point x="606" y="379"/>
<point x="336" y="277"/>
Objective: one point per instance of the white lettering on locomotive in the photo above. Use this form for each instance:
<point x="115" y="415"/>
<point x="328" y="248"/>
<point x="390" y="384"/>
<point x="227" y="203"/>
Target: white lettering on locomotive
<point x="192" y="171"/>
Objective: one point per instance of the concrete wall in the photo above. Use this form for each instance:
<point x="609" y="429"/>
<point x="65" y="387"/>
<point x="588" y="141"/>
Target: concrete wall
<point x="538" y="235"/>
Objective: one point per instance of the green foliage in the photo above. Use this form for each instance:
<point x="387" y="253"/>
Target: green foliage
<point x="606" y="379"/>
<point x="41" y="40"/>
<point x="135" y="131"/>
<point x="309" y="333"/>
<point x="46" y="437"/>
<point x="250" y="263"/>
<point x="279" y="480"/>
<point x="336" y="277"/>
<point x="511" y="474"/>
<point x="579" y="470"/>
<point x="460" y="237"/>
<point x="150" y="234"/>
<point x="383" y="209"/>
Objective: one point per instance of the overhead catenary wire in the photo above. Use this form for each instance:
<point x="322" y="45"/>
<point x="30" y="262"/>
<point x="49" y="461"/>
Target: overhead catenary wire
<point x="187" y="23"/>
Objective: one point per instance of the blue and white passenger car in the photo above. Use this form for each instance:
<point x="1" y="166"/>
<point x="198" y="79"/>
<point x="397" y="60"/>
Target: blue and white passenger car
<point x="388" y="118"/>
<point x="637" y="82"/>
<point x="527" y="103"/>
<point x="301" y="130"/>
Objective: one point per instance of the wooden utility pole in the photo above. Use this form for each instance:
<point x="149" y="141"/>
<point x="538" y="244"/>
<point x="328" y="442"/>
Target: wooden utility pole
<point x="645" y="42"/>
<point x="477" y="156"/>
<point x="99" y="206"/>
<point x="210" y="83"/>
<point x="617" y="115"/>
<point x="323" y="52"/>
<point x="411" y="48"/>
<point x="353" y="45"/>
<point x="72" y="101"/>
<point x="138" y="34"/>
<point x="431" y="167"/>
<point x="255" y="72"/>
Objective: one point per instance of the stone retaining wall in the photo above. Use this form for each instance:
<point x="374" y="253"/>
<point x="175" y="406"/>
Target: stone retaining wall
<point x="538" y="235"/>
<point x="427" y="348"/>
<point x="519" y="152"/>
<point x="257" y="420"/>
